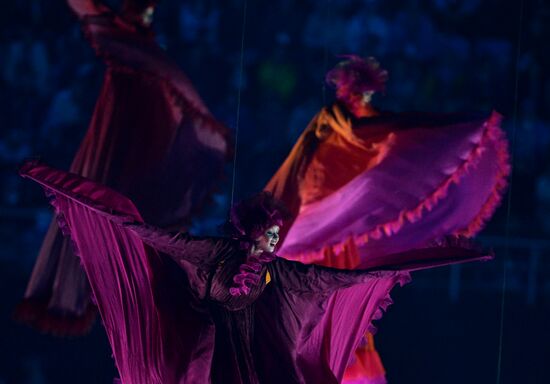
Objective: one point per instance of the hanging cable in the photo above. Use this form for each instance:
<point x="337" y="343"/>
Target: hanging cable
<point x="325" y="51"/>
<point x="509" y="199"/>
<point x="237" y="120"/>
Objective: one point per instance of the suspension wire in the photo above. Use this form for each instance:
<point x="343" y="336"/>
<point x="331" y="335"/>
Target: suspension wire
<point x="509" y="199"/>
<point x="325" y="52"/>
<point x="237" y="119"/>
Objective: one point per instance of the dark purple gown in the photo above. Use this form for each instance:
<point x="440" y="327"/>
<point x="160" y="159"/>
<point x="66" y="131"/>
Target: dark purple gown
<point x="148" y="132"/>
<point x="166" y="306"/>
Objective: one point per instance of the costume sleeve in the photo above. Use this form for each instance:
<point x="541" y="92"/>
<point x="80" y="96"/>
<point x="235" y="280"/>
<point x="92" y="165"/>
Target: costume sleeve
<point x="311" y="278"/>
<point x="181" y="247"/>
<point x="303" y="278"/>
<point x="158" y="329"/>
<point x="314" y="317"/>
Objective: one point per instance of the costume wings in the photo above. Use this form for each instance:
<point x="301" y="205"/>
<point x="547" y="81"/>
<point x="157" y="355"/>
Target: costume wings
<point x="360" y="188"/>
<point x="307" y="321"/>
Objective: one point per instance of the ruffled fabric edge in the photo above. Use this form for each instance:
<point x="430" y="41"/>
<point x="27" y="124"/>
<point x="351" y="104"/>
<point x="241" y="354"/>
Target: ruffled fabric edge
<point x="36" y="312"/>
<point x="357" y="372"/>
<point x="491" y="134"/>
<point x="385" y="302"/>
<point x="249" y="273"/>
<point x="40" y="173"/>
<point x="61" y="187"/>
<point x="496" y="135"/>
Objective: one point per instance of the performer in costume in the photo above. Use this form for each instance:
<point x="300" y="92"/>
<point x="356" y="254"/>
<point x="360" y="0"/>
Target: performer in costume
<point x="149" y="130"/>
<point x="362" y="183"/>
<point x="178" y="308"/>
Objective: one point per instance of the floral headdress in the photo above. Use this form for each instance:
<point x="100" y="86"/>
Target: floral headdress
<point x="357" y="75"/>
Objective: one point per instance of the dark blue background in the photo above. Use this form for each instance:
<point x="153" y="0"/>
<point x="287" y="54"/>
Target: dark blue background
<point x="442" y="55"/>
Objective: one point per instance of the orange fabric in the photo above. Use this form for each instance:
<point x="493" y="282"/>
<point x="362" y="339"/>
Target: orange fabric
<point x="370" y="342"/>
<point x="348" y="258"/>
<point x="328" y="154"/>
<point x="367" y="362"/>
<point x="285" y="182"/>
<point x="341" y="154"/>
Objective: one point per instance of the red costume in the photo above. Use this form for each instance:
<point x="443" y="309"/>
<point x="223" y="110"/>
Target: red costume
<point x="361" y="184"/>
<point x="148" y="132"/>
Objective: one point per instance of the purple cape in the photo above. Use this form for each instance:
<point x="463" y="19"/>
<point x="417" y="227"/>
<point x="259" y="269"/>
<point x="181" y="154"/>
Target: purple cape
<point x="165" y="304"/>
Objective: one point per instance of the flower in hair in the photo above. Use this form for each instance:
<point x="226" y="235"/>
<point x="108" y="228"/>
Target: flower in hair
<point x="357" y="75"/>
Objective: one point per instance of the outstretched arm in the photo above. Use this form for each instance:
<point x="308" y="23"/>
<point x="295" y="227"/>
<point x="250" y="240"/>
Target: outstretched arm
<point x="179" y="246"/>
<point x="146" y="316"/>
<point x="311" y="278"/>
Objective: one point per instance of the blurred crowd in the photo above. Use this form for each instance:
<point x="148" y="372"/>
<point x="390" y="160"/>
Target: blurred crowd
<point x="441" y="56"/>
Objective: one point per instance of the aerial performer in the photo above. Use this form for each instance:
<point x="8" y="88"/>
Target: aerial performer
<point x="148" y="131"/>
<point x="361" y="183"/>
<point x="185" y="309"/>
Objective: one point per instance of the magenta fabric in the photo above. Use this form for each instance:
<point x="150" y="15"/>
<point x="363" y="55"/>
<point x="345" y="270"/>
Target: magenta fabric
<point x="148" y="132"/>
<point x="165" y="300"/>
<point x="438" y="175"/>
<point x="357" y="75"/>
<point x="441" y="175"/>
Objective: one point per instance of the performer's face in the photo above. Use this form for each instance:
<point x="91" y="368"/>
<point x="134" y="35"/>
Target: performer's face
<point x="147" y="16"/>
<point x="357" y="100"/>
<point x="268" y="241"/>
<point x="367" y="97"/>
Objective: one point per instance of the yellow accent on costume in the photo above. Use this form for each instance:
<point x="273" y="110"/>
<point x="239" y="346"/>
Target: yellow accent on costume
<point x="267" y="278"/>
